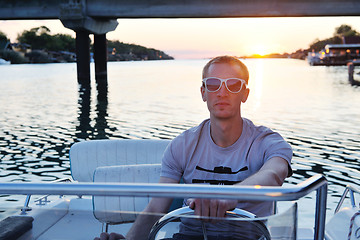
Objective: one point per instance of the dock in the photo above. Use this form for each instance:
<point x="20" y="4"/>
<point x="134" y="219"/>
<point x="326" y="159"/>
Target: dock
<point x="336" y="55"/>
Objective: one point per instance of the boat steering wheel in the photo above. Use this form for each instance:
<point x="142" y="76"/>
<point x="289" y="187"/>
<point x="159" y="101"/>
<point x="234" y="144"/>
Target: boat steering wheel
<point x="186" y="211"/>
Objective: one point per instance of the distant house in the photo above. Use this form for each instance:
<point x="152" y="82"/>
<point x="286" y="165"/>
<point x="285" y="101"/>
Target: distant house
<point x="111" y="51"/>
<point x="68" y="56"/>
<point x="351" y="40"/>
<point x="21" y="48"/>
<point x="5" y="45"/>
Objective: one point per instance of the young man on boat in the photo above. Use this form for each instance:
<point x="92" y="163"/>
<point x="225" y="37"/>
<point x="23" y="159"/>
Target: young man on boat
<point x="225" y="149"/>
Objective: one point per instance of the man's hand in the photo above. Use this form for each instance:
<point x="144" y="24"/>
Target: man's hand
<point x="211" y="208"/>
<point x="111" y="236"/>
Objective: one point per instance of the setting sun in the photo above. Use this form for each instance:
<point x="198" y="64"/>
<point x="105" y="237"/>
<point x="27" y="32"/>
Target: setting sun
<point x="259" y="49"/>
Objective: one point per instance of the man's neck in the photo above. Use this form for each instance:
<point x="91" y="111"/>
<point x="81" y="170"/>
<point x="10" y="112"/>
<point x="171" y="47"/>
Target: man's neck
<point x="225" y="132"/>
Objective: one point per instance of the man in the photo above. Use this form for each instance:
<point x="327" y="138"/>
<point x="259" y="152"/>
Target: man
<point x="225" y="149"/>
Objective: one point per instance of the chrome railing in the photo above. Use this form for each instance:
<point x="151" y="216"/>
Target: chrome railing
<point x="316" y="183"/>
<point x="351" y="190"/>
<point x="42" y="200"/>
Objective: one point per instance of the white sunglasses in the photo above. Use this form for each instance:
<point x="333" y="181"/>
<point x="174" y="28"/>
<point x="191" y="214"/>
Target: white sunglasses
<point x="233" y="85"/>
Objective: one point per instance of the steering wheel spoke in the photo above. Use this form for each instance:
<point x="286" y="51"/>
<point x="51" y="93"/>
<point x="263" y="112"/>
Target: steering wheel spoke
<point x="237" y="214"/>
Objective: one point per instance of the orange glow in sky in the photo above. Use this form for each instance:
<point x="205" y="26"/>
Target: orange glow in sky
<point x="203" y="38"/>
<point x="260" y="49"/>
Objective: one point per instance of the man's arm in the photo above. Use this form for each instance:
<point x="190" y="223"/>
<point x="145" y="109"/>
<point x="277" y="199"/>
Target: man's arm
<point x="143" y="223"/>
<point x="272" y="173"/>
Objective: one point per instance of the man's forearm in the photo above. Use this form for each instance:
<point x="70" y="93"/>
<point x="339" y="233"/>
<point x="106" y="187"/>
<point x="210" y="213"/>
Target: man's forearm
<point x="273" y="173"/>
<point x="153" y="211"/>
<point x="142" y="226"/>
<point x="265" y="178"/>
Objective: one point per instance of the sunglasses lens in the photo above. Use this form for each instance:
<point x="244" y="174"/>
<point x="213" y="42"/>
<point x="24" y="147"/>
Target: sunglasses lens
<point x="212" y="84"/>
<point x="234" y="85"/>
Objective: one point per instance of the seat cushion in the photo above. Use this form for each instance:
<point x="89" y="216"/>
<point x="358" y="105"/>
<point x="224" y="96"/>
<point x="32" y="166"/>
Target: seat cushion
<point x="86" y="156"/>
<point x="107" y="209"/>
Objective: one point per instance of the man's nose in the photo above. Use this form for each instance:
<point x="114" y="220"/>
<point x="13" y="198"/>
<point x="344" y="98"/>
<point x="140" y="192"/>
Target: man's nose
<point x="223" y="89"/>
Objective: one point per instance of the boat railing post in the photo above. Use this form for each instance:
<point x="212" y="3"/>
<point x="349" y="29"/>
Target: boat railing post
<point x="352" y="198"/>
<point x="26" y="205"/>
<point x="320" y="212"/>
<point x="343" y="196"/>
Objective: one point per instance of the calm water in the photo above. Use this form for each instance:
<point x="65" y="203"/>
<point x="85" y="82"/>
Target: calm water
<point x="42" y="114"/>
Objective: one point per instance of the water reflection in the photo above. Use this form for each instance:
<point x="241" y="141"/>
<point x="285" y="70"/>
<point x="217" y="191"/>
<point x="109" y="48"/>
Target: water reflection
<point x="101" y="124"/>
<point x="84" y="130"/>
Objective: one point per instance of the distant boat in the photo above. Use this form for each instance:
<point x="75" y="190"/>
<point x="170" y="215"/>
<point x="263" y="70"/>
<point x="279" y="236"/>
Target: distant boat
<point x="2" y="61"/>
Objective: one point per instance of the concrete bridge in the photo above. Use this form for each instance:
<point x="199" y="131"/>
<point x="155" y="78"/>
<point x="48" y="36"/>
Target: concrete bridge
<point x="100" y="16"/>
<point x="113" y="9"/>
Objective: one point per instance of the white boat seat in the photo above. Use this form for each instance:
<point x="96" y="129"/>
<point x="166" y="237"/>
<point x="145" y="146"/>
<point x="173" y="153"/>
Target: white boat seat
<point x="338" y="227"/>
<point x="107" y="208"/>
<point x="86" y="156"/>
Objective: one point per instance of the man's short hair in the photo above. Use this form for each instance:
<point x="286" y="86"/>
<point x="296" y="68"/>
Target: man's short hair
<point x="229" y="60"/>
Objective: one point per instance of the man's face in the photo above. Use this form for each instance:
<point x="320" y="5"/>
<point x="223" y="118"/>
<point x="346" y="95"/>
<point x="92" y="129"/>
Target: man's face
<point x="224" y="104"/>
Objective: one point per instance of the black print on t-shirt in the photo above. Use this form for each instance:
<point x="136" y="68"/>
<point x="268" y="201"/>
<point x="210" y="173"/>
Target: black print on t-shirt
<point x="219" y="170"/>
<point x="222" y="170"/>
<point x="215" y="182"/>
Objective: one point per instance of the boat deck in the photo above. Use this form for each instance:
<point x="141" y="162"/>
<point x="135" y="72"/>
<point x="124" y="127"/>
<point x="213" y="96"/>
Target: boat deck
<point x="73" y="219"/>
<point x="68" y="219"/>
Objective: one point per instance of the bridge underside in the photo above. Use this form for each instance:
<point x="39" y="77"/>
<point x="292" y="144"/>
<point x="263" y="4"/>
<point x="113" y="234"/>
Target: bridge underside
<point x="99" y="17"/>
<point x="113" y="9"/>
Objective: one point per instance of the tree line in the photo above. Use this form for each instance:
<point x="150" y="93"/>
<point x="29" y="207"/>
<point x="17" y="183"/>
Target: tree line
<point x="340" y="32"/>
<point x="43" y="45"/>
<point x="39" y="45"/>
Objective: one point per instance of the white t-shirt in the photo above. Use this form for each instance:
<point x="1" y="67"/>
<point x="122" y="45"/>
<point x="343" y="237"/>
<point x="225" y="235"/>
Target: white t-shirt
<point x="195" y="157"/>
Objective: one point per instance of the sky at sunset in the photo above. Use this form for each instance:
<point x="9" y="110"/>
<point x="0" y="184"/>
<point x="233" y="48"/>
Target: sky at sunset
<point x="202" y="38"/>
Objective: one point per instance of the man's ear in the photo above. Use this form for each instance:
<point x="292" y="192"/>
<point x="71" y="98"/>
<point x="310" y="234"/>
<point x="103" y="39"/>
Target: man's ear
<point x="245" y="95"/>
<point x="202" y="90"/>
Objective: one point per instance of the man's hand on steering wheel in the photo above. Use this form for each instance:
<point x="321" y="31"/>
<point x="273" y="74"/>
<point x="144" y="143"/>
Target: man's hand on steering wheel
<point x="211" y="208"/>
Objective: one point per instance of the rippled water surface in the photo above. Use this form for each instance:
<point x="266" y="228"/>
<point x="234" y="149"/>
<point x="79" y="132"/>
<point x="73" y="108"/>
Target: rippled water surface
<point x="42" y="113"/>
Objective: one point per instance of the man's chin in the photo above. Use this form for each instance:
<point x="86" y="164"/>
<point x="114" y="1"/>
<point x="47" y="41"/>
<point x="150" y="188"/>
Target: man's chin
<point x="223" y="115"/>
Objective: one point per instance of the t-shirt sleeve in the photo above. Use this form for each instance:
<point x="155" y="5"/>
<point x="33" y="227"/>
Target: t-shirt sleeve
<point x="276" y="146"/>
<point x="170" y="165"/>
<point x="178" y="153"/>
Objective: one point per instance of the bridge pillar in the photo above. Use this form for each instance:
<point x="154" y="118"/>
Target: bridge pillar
<point x="83" y="58"/>
<point x="73" y="15"/>
<point x="100" y="58"/>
